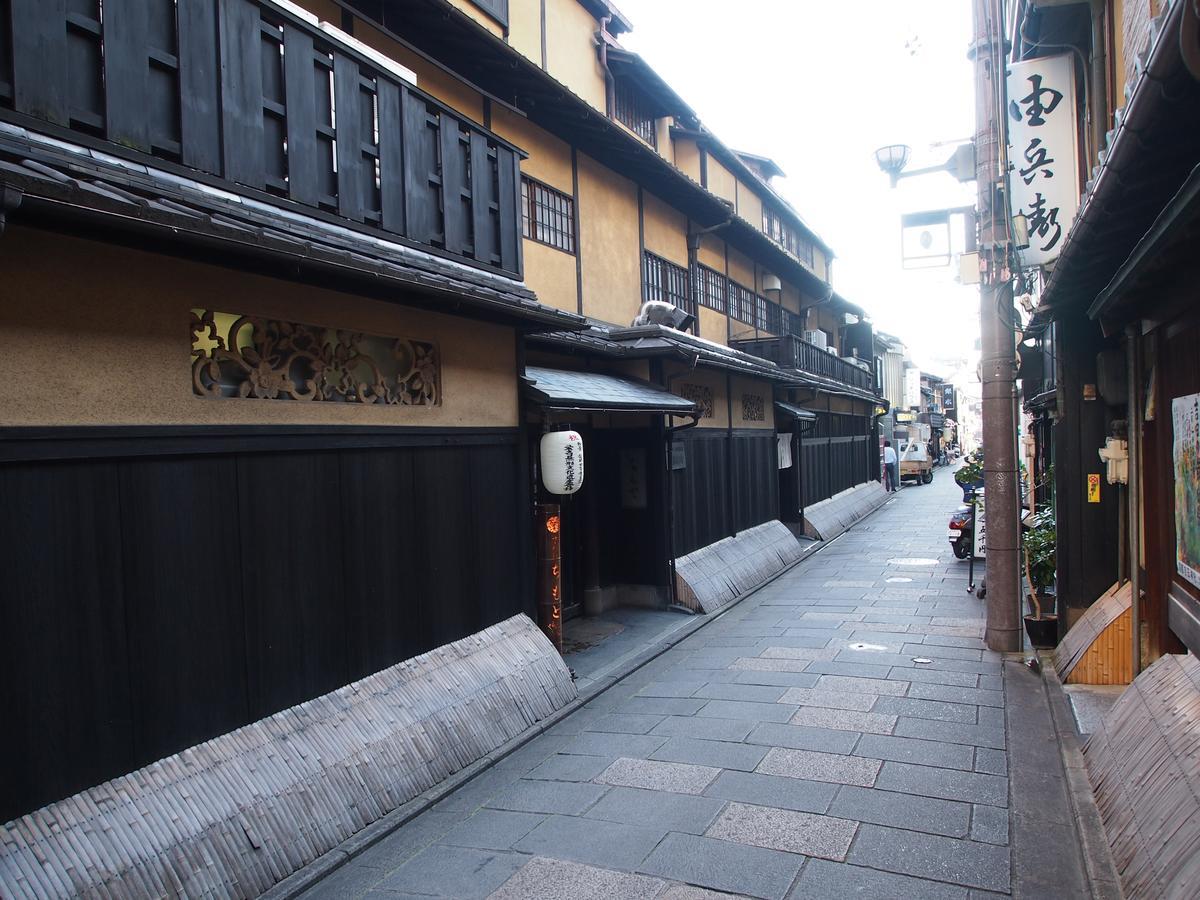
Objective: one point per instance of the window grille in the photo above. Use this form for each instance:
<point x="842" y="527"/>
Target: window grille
<point x="630" y="110"/>
<point x="710" y="288"/>
<point x="786" y="236"/>
<point x="667" y="282"/>
<point x="547" y="215"/>
<point x="742" y="303"/>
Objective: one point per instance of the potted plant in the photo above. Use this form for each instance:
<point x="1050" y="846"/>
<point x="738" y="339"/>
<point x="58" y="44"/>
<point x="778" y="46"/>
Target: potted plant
<point x="970" y="475"/>
<point x="1040" y="548"/>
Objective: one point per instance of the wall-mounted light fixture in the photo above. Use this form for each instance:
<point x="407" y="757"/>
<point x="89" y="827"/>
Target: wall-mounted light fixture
<point x="892" y="159"/>
<point x="1020" y="227"/>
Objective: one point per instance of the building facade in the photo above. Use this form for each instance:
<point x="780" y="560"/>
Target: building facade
<point x="293" y="290"/>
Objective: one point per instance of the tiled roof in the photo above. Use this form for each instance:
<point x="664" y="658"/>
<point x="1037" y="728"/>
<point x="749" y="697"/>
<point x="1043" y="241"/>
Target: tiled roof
<point x="562" y="389"/>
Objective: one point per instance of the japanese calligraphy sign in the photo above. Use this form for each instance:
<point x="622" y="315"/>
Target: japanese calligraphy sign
<point x="1042" y="137"/>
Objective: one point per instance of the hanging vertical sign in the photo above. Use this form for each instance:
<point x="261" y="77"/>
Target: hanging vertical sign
<point x="1043" y="150"/>
<point x="979" y="538"/>
<point x="1185" y="423"/>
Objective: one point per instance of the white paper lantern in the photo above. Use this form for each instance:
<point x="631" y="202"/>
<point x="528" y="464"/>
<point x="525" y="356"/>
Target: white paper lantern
<point x="562" y="461"/>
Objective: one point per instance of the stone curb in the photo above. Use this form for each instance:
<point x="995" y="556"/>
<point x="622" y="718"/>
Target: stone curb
<point x="326" y="864"/>
<point x="1103" y="881"/>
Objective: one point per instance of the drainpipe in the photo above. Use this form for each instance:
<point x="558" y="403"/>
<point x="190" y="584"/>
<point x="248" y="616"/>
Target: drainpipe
<point x="10" y="199"/>
<point x="610" y="84"/>
<point x="1098" y="92"/>
<point x="671" y="432"/>
<point x="1133" y="491"/>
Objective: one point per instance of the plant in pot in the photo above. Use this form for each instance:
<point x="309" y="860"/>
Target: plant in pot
<point x="1040" y="547"/>
<point x="970" y="475"/>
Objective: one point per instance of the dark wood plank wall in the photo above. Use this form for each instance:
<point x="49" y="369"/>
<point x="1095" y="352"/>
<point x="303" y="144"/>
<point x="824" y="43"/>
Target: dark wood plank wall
<point x="702" y="495"/>
<point x="152" y="602"/>
<point x="208" y="85"/>
<point x="838" y="451"/>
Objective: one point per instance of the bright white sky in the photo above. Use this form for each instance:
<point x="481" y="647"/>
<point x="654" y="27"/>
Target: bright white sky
<point x="818" y="86"/>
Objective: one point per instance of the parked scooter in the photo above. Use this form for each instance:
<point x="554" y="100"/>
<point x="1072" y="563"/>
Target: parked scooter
<point x="961" y="531"/>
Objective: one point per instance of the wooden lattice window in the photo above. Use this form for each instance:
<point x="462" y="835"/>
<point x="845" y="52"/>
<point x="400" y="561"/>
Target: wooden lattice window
<point x="787" y="236"/>
<point x="711" y="288"/>
<point x="547" y="215"/>
<point x="666" y="281"/>
<point x="742" y="303"/>
<point x="631" y="111"/>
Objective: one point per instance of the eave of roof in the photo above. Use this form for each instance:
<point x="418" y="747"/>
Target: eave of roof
<point x="1148" y="155"/>
<point x="569" y="390"/>
<point x="58" y="184"/>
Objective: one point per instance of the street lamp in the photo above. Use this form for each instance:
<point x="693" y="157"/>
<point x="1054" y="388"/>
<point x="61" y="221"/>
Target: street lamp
<point x="892" y="159"/>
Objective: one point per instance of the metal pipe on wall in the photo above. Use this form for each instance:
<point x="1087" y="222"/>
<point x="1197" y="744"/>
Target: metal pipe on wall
<point x="1133" y="493"/>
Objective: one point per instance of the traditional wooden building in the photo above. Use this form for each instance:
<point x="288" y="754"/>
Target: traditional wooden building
<point x="1111" y="379"/>
<point x="292" y="290"/>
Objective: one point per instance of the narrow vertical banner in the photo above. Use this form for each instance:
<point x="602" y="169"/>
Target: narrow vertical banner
<point x="549" y="571"/>
<point x="1042" y="137"/>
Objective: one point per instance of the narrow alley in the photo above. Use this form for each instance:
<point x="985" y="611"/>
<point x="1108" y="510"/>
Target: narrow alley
<point x="841" y="732"/>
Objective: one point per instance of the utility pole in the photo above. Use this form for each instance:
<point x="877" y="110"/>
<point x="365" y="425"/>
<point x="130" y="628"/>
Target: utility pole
<point x="1001" y="479"/>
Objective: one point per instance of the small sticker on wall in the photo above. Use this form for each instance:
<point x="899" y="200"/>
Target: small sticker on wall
<point x="1093" y="488"/>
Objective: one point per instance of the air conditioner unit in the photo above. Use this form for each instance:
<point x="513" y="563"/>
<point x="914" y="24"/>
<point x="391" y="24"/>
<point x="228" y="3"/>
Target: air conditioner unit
<point x="832" y="349"/>
<point x="815" y="337"/>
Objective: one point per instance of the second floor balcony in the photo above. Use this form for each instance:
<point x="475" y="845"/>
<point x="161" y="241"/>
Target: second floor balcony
<point x="259" y="99"/>
<point x="790" y="352"/>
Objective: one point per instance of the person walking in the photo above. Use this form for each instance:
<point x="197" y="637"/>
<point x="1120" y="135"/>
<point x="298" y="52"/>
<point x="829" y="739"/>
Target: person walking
<point x="891" y="468"/>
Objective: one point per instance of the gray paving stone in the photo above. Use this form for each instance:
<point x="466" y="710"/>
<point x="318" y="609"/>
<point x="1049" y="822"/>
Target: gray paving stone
<point x="823" y="880"/>
<point x="879" y="686"/>
<point x="939" y="651"/>
<point x="569" y="767"/>
<point x="785" y="679"/>
<point x="613" y="845"/>
<point x="912" y="750"/>
<point x="928" y="709"/>
<point x="991" y="762"/>
<point x="349" y="880"/>
<point x="967" y="863"/>
<point x="763" y="664"/>
<point x="599" y="743"/>
<point x="760" y="693"/>
<point x="704" y="727"/>
<point x="658" y="809"/>
<point x="548" y="797"/>
<point x="624" y="723"/>
<point x="404" y="843"/>
<point x="951" y="784"/>
<point x="557" y="879"/>
<point x="954" y="694"/>
<point x="773" y="790"/>
<point x="989" y="824"/>
<point x="851" y="670"/>
<point x="846" y="700"/>
<point x="724" y="866"/>
<point x="827" y="837"/>
<point x="746" y="709"/>
<point x="680" y="778"/>
<point x="950" y="732"/>
<point x="720" y="754"/>
<point x="991" y="715"/>
<point x="991" y="682"/>
<point x="799" y="653"/>
<point x="679" y="689"/>
<point x="815" y="766"/>
<point x="925" y="675"/>
<point x="803" y="737"/>
<point x="661" y="706"/>
<point x="844" y="720"/>
<point x="492" y="829"/>
<point x="461" y="872"/>
<point x="883" y="807"/>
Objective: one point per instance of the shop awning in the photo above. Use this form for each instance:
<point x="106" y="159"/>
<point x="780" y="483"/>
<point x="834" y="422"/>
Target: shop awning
<point x="562" y="389"/>
<point x="798" y="412"/>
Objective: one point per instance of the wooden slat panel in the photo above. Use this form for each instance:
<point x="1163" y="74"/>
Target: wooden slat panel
<point x="391" y="157"/>
<point x="420" y="166"/>
<point x="199" y="85"/>
<point x="350" y="137"/>
<point x="301" y="116"/>
<point x="483" y="194"/>
<point x="508" y="167"/>
<point x="1092" y="649"/>
<point x="39" y="37"/>
<point x="241" y="92"/>
<point x="456" y="221"/>
<point x="126" y="73"/>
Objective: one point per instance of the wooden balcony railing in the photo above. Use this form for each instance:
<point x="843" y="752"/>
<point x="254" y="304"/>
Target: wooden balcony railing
<point x="246" y="92"/>
<point x="791" y="352"/>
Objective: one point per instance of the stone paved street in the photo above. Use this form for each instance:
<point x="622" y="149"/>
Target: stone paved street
<point x="841" y="733"/>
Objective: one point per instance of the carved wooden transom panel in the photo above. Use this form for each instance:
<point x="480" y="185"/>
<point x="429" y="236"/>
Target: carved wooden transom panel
<point x="249" y="356"/>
